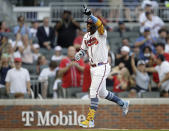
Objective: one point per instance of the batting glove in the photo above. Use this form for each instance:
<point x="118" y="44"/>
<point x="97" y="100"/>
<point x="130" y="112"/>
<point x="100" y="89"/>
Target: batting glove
<point x="78" y="56"/>
<point x="87" y="11"/>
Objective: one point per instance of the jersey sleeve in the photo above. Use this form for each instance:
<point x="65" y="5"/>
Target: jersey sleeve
<point x="98" y="23"/>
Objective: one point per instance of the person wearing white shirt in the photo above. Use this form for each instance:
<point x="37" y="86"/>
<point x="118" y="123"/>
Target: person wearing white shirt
<point x="58" y="54"/>
<point x="163" y="71"/>
<point x="147" y="6"/>
<point x="45" y="74"/>
<point x="152" y="22"/>
<point x="18" y="80"/>
<point x="36" y="53"/>
<point x="34" y="28"/>
<point x="167" y="45"/>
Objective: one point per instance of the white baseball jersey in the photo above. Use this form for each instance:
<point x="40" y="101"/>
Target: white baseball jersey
<point x="96" y="47"/>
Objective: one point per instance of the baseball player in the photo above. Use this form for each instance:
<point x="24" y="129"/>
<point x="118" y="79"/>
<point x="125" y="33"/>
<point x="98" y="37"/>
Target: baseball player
<point x="94" y="43"/>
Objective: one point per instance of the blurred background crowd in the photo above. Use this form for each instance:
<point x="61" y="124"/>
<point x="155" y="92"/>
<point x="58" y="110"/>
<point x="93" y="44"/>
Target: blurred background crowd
<point x="37" y="56"/>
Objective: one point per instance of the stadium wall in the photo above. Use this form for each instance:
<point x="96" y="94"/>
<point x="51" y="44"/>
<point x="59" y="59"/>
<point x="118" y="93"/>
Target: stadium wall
<point x="67" y="113"/>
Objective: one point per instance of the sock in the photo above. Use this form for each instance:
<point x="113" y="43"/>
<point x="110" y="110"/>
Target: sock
<point x="94" y="103"/>
<point x="112" y="97"/>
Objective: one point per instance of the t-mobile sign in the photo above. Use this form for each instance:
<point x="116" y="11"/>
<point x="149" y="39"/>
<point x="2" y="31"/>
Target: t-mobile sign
<point x="49" y="119"/>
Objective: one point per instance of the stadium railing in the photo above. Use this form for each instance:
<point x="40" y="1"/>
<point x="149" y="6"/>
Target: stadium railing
<point x="55" y="10"/>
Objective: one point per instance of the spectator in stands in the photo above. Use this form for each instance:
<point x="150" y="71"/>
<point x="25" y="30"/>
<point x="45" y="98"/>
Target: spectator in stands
<point x="152" y="22"/>
<point x="58" y="54"/>
<point x="167" y="45"/>
<point x="162" y="36"/>
<point x="4" y="44"/>
<point x="160" y="48"/>
<point x="86" y="77"/>
<point x="18" y="80"/>
<point x="124" y="60"/>
<point x="4" y="67"/>
<point x="145" y="40"/>
<point x="130" y="6"/>
<point x="27" y="55"/>
<point x="78" y="40"/>
<point x="44" y="74"/>
<point x="121" y="28"/>
<point x="56" y="85"/>
<point x="147" y="6"/>
<point x="132" y="93"/>
<point x="164" y="94"/>
<point x="41" y="63"/>
<point x="18" y="46"/>
<point x="66" y="29"/>
<point x="3" y="27"/>
<point x="147" y="54"/>
<point x="125" y="42"/>
<point x="36" y="53"/>
<point x="46" y="35"/>
<point x="71" y="70"/>
<point x="121" y="79"/>
<point x="163" y="71"/>
<point x="21" y="27"/>
<point x="142" y="78"/>
<point x="34" y="28"/>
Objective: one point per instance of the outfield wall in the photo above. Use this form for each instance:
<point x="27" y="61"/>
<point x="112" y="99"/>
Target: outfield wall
<point x="65" y="113"/>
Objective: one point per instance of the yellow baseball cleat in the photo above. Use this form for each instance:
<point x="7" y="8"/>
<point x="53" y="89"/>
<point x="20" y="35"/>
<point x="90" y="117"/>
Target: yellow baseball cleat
<point x="89" y="122"/>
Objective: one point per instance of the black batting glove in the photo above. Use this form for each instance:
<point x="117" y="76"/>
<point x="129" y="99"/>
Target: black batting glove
<point x="87" y="11"/>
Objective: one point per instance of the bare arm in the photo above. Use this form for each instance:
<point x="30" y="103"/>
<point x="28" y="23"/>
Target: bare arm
<point x="8" y="87"/>
<point x="139" y="43"/>
<point x="133" y="65"/>
<point x="62" y="71"/>
<point x="79" y="67"/>
<point x="28" y="84"/>
<point x="150" y="69"/>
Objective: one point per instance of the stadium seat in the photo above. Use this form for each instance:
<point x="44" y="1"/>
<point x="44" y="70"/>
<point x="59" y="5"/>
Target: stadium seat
<point x="150" y="95"/>
<point x="114" y="44"/>
<point x="113" y="35"/>
<point x="71" y="92"/>
<point x="30" y="67"/>
<point x="136" y="29"/>
<point x="130" y="34"/>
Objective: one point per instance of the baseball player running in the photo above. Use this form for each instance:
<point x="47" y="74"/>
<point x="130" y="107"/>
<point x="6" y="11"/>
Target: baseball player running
<point x="94" y="43"/>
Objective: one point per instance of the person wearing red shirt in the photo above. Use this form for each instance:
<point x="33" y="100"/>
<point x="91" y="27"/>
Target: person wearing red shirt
<point x="78" y="40"/>
<point x="86" y="78"/>
<point x="71" y="70"/>
<point x="160" y="49"/>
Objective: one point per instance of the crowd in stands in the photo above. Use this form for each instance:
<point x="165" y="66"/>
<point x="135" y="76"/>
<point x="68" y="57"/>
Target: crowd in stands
<point x="139" y="58"/>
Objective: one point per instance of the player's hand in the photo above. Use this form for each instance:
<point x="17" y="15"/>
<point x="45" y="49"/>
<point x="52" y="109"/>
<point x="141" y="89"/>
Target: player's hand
<point x="87" y="11"/>
<point x="78" y="56"/>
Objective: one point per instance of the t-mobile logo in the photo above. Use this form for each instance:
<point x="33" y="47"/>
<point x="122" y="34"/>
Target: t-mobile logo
<point x="48" y="119"/>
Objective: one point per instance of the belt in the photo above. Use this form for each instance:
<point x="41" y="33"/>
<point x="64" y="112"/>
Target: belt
<point x="99" y="64"/>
